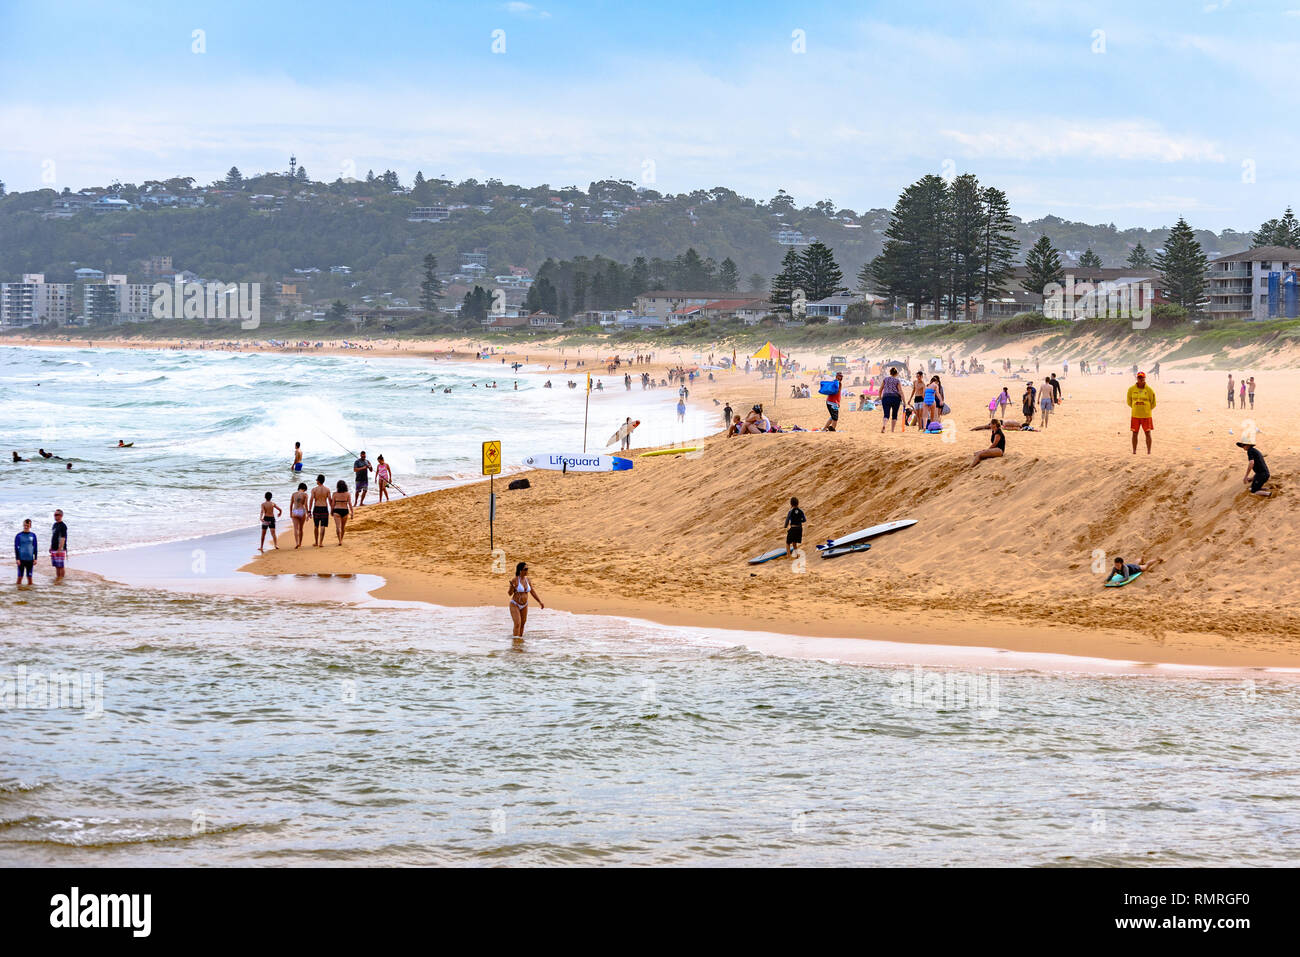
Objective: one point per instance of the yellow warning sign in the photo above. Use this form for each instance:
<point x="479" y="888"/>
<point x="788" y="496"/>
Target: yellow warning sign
<point x="491" y="458"/>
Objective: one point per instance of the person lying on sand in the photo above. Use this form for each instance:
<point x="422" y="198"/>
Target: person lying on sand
<point x="1006" y="427"/>
<point x="997" y="444"/>
<point x="1121" y="569"/>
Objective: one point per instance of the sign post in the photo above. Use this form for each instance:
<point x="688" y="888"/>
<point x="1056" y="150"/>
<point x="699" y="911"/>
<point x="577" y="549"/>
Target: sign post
<point x="492" y="468"/>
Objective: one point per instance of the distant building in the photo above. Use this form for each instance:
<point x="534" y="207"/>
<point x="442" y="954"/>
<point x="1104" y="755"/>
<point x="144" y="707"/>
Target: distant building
<point x="1237" y="286"/>
<point x="544" y="320"/>
<point x="158" y="267"/>
<point x="289" y="293"/>
<point x="35" y="301"/>
<point x="505" y="322"/>
<point x="85" y="274"/>
<point x="116" y="300"/>
<point x="429" y="214"/>
<point x="662" y="303"/>
<point x="833" y="307"/>
<point x="341" y="270"/>
<point x="793" y="237"/>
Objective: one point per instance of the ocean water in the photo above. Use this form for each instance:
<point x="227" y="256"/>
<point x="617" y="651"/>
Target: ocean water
<point x="301" y="723"/>
<point x="213" y="431"/>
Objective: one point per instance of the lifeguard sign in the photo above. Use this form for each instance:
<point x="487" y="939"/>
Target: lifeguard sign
<point x="492" y="467"/>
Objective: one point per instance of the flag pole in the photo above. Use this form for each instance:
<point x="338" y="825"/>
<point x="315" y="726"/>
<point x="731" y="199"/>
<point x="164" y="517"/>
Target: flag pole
<point x="585" y="407"/>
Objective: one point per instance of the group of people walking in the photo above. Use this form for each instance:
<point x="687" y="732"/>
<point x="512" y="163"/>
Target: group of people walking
<point x="318" y="504"/>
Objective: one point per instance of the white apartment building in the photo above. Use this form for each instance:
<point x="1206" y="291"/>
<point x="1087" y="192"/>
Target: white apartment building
<point x="1237" y="285"/>
<point x="34" y="301"/>
<point x="116" y="300"/>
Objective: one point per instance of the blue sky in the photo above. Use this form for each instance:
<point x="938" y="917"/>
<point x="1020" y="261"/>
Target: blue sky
<point x="1103" y="112"/>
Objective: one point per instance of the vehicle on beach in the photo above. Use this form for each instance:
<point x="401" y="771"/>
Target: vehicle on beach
<point x="838" y="364"/>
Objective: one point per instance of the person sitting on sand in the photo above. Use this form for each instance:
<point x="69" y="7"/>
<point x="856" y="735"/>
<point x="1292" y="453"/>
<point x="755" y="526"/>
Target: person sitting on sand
<point x="1122" y="570"/>
<point x="1256" y="470"/>
<point x="269" y="511"/>
<point x="519" y="590"/>
<point x="737" y="427"/>
<point x="997" y="444"/>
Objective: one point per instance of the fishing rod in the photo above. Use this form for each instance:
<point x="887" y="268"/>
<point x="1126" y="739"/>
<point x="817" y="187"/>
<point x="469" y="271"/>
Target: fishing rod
<point x="350" y="452"/>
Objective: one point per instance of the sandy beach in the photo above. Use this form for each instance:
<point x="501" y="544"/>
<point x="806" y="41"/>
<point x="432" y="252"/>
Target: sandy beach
<point x="1003" y="555"/>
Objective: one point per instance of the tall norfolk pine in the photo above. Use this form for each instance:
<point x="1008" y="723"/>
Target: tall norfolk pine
<point x="1182" y="265"/>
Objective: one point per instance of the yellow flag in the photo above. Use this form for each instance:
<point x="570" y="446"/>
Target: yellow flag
<point x="588" y="383"/>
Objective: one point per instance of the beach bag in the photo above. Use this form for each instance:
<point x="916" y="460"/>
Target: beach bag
<point x="829" y="387"/>
<point x="947" y="409"/>
<point x="934" y="427"/>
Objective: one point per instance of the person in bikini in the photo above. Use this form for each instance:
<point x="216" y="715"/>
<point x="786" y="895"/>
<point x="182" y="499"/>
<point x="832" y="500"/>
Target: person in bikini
<point x="298" y="513"/>
<point x="341" y="506"/>
<point x="519" y="590"/>
<point x="269" y="511"/>
<point x="997" y="444"/>
<point x="320" y="510"/>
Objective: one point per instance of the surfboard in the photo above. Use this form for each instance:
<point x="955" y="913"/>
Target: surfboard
<point x="866" y="533"/>
<point x="1120" y="583"/>
<point x="578" y="463"/>
<point x="623" y="431"/>
<point x="126" y="446"/>
<point x="845" y="549"/>
<point x="670" y="451"/>
<point x="767" y="556"/>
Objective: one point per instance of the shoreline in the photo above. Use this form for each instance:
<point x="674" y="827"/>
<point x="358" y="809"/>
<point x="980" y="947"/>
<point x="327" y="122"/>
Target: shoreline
<point x="998" y="560"/>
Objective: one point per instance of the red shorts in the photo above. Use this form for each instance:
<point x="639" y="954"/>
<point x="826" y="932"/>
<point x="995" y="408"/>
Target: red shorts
<point x="1146" y="424"/>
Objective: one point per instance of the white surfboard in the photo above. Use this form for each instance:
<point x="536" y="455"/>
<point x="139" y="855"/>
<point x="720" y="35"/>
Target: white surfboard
<point x="866" y="533"/>
<point x="624" y="430"/>
<point x="559" y="462"/>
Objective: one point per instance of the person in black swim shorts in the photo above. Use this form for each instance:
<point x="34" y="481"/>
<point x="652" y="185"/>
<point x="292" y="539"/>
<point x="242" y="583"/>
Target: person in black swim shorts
<point x="794" y="522"/>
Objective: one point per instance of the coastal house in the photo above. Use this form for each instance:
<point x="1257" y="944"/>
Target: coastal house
<point x="662" y="303"/>
<point x="544" y="320"/>
<point x="505" y="322"/>
<point x="1251" y="284"/>
<point x="834" y="307"/>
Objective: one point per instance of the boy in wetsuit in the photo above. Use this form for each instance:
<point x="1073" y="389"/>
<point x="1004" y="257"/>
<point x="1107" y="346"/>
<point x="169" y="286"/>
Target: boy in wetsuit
<point x="794" y="522"/>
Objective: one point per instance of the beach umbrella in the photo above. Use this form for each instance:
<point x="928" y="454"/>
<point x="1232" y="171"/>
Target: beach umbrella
<point x="770" y="351"/>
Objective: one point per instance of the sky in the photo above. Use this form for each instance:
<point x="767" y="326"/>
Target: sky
<point x="1134" y="113"/>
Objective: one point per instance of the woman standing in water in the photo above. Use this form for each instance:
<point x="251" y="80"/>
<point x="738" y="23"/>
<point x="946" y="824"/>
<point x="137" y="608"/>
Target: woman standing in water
<point x="519" y="590"/>
<point x="341" y="505"/>
<point x="298" y="513"/>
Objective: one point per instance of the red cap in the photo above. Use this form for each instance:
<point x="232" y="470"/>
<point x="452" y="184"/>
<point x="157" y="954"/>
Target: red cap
<point x="1142" y="375"/>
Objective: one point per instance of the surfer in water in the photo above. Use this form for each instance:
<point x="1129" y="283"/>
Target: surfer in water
<point x="297" y="456"/>
<point x="1121" y="569"/>
<point x="519" y="590"/>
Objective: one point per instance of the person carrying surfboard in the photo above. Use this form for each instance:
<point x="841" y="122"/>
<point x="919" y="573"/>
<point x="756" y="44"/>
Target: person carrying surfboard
<point x="1123" y="571"/>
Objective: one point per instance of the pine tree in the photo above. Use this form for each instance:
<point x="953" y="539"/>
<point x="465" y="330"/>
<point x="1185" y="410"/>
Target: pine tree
<point x="234" y="178"/>
<point x="786" y="281"/>
<point x="431" y="287"/>
<point x="998" y="244"/>
<point x="756" y="282"/>
<point x="1139" y="258"/>
<point x="1182" y="264"/>
<point x="1044" y="265"/>
<point x="1090" y="260"/>
<point x="1279" y="232"/>
<point x="966" y="221"/>
<point x="819" y="274"/>
<point x="639" y="281"/>
<point x="728" y="275"/>
<point x="914" y="263"/>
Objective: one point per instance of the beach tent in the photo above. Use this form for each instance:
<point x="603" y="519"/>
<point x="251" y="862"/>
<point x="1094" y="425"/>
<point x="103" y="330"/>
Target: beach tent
<point x="769" y="351"/>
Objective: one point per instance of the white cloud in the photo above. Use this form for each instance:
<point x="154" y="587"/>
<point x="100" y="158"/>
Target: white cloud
<point x="520" y="9"/>
<point x="1052" y="138"/>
